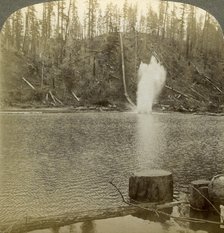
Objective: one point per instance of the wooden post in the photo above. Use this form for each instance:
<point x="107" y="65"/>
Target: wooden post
<point x="199" y="199"/>
<point x="151" y="186"/>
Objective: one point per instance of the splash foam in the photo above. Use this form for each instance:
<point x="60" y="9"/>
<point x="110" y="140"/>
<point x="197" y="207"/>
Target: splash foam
<point x="152" y="78"/>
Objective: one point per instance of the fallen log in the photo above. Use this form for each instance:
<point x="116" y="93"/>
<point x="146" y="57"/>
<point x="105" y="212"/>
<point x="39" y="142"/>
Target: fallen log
<point x="28" y="83"/>
<point x="199" y="94"/>
<point x="75" y="96"/>
<point x="181" y="93"/>
<point x="52" y="97"/>
<point x="113" y="76"/>
<point x="59" y="101"/>
<point x="178" y="92"/>
<point x="30" y="223"/>
<point x="207" y="78"/>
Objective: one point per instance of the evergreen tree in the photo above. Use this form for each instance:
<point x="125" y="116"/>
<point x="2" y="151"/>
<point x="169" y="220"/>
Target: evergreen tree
<point x="75" y="30"/>
<point x="34" y="32"/>
<point x="125" y="15"/>
<point x="132" y="18"/>
<point x="142" y="24"/>
<point x="92" y="6"/>
<point x="100" y="23"/>
<point x="151" y="21"/>
<point x="7" y="35"/>
<point x="17" y="22"/>
<point x="191" y="32"/>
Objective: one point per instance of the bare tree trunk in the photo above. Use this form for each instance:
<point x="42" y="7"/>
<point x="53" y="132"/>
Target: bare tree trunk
<point x="42" y="76"/>
<point x="123" y="72"/>
<point x="26" y="30"/>
<point x="165" y="21"/>
<point x="58" y="19"/>
<point x="136" y="51"/>
<point x="68" y="22"/>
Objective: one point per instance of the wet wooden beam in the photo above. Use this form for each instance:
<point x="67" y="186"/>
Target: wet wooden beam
<point x="30" y="224"/>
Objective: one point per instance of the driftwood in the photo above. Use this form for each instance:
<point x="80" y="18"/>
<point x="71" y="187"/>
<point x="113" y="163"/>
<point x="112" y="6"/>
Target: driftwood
<point x="123" y="71"/>
<point x="28" y="83"/>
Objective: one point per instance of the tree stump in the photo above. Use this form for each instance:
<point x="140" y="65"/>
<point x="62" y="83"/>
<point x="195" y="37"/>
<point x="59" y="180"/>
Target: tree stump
<point x="199" y="194"/>
<point x="151" y="186"/>
<point x="216" y="190"/>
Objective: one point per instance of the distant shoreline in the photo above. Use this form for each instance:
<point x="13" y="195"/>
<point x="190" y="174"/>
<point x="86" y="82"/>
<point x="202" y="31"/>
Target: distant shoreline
<point x="89" y="109"/>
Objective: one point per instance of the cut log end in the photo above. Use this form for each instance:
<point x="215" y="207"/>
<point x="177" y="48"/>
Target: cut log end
<point x="151" y="186"/>
<point x="199" y="195"/>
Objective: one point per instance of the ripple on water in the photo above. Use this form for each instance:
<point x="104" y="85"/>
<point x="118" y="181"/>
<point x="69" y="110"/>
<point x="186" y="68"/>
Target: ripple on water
<point x="56" y="163"/>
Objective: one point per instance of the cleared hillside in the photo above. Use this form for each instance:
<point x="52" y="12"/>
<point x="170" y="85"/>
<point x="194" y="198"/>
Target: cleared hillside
<point x="90" y="74"/>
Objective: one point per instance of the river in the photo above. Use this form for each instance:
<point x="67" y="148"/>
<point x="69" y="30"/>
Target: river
<point x="57" y="163"/>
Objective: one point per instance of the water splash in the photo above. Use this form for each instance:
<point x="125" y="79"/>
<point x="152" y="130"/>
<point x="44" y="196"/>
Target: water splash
<point x="152" y="78"/>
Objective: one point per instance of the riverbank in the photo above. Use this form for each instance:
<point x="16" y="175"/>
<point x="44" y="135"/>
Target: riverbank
<point x="62" y="109"/>
<point x="93" y="108"/>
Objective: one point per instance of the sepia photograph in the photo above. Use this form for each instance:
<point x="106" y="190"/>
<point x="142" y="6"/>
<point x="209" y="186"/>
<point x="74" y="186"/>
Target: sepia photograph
<point x="111" y="116"/>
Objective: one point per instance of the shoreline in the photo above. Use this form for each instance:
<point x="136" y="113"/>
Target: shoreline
<point x="97" y="109"/>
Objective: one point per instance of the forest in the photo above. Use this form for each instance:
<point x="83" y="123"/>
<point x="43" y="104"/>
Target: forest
<point x="51" y="56"/>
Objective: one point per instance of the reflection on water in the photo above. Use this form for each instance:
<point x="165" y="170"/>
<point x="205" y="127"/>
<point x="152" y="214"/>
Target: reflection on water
<point x="88" y="227"/>
<point x="127" y="224"/>
<point x="150" y="140"/>
<point x="57" y="163"/>
<point x="206" y="227"/>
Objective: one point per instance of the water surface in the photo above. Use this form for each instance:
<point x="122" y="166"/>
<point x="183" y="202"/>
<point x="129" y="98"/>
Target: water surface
<point x="56" y="163"/>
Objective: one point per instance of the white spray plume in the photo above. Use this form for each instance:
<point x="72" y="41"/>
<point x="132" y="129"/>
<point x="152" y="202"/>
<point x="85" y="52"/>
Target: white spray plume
<point x="152" y="78"/>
